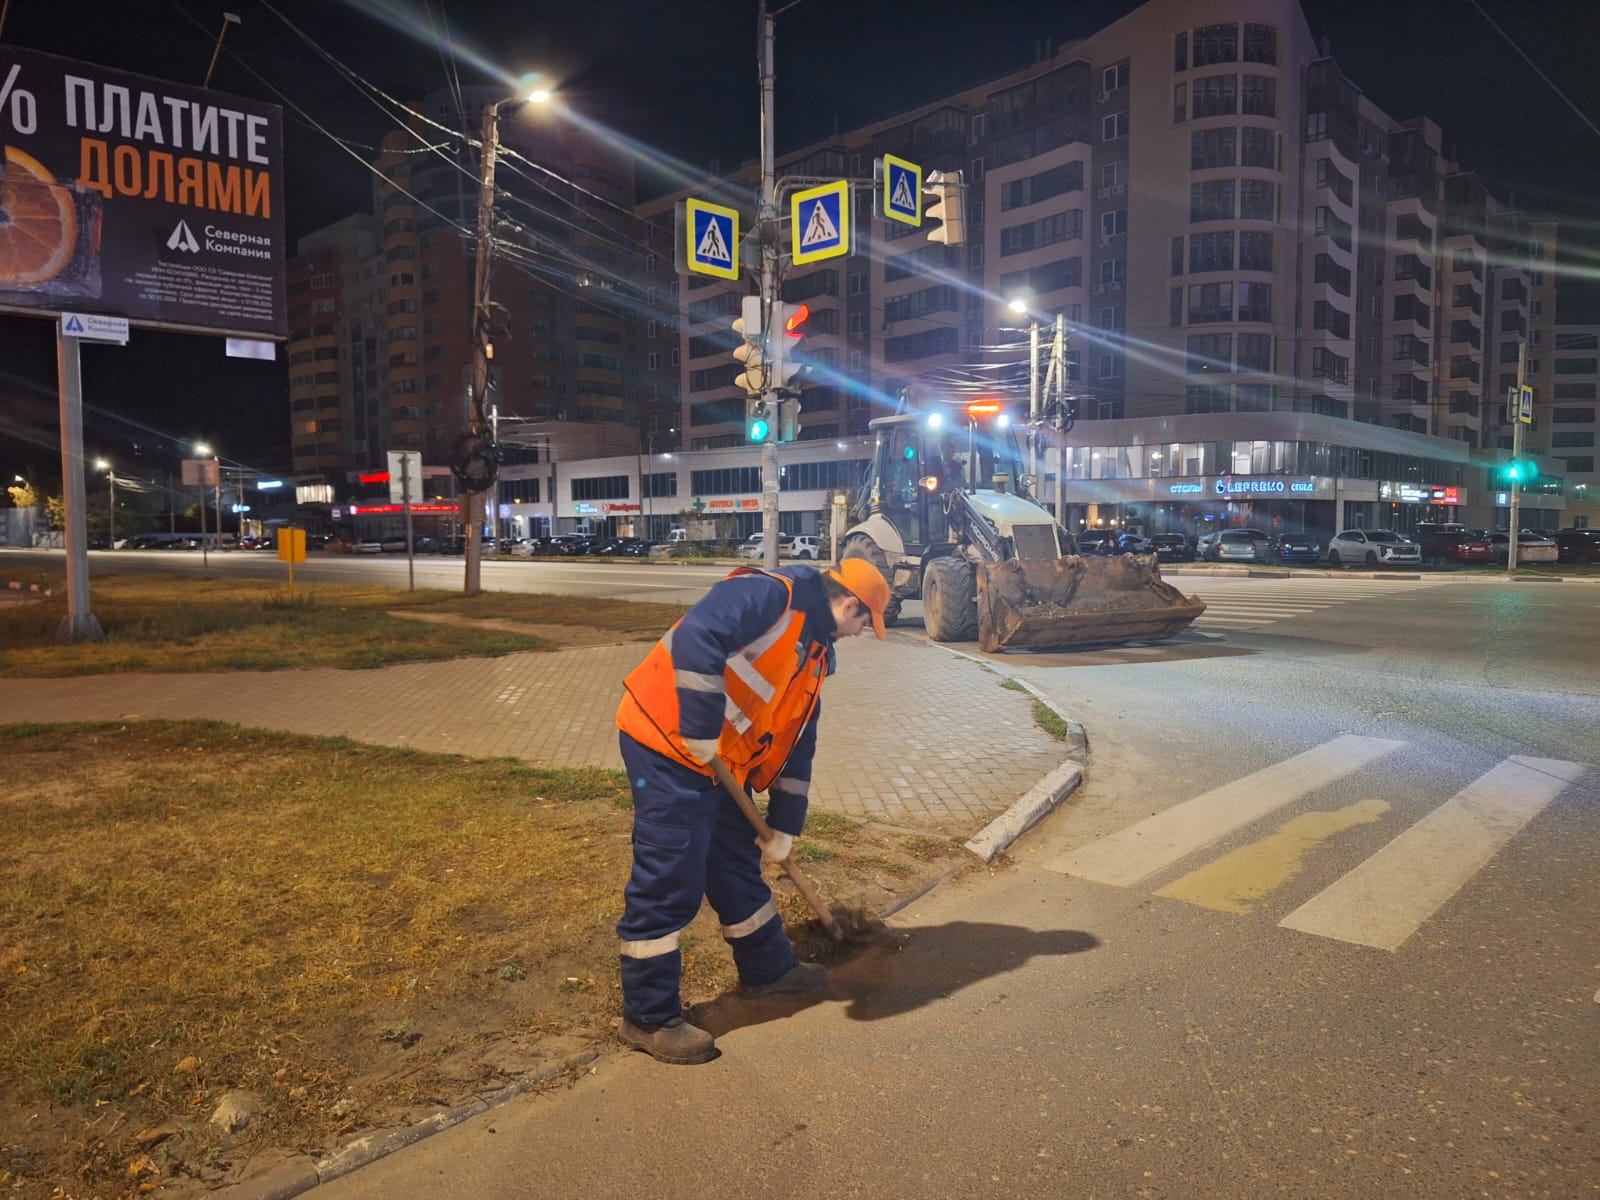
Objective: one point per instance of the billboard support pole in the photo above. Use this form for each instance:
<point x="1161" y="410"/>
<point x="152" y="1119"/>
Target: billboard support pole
<point x="79" y="624"/>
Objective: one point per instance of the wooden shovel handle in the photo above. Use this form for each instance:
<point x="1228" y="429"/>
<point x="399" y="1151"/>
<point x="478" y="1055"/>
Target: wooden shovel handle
<point x="764" y="832"/>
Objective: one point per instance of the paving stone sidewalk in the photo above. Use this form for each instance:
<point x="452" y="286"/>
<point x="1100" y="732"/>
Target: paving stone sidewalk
<point x="911" y="734"/>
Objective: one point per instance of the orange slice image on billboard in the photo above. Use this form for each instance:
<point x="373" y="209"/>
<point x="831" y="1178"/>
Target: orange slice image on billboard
<point x="38" y="228"/>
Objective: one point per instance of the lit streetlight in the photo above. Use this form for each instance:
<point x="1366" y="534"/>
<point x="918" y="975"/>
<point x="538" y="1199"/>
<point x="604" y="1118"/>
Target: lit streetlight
<point x="644" y="489"/>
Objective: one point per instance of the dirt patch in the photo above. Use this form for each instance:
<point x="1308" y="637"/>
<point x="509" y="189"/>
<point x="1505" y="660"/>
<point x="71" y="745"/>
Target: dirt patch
<point x="357" y="937"/>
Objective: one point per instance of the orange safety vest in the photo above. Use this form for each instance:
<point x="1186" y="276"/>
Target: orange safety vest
<point x="770" y="695"/>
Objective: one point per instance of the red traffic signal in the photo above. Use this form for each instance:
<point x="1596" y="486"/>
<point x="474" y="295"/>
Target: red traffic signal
<point x="794" y="323"/>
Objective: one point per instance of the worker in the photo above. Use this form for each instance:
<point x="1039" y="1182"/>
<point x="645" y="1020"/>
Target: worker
<point x="739" y="676"/>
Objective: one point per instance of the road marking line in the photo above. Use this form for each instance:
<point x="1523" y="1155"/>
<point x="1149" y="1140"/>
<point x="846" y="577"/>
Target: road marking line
<point x="1243" y="878"/>
<point x="1131" y="854"/>
<point x="1384" y="901"/>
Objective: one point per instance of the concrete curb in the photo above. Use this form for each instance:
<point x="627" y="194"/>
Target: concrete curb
<point x="1044" y="797"/>
<point x="301" y="1175"/>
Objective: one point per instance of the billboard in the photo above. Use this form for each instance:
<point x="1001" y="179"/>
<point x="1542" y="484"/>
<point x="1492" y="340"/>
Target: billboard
<point x="155" y="201"/>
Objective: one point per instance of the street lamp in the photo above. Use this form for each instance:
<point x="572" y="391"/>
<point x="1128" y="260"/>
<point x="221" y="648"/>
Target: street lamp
<point x="649" y="491"/>
<point x="475" y="470"/>
<point x="101" y="464"/>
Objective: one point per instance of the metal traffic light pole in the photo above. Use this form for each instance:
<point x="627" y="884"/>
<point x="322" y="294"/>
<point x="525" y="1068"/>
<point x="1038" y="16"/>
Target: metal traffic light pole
<point x="1516" y="460"/>
<point x="766" y="224"/>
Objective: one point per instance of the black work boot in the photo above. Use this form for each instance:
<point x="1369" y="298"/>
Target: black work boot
<point x="675" y="1041"/>
<point x="802" y="979"/>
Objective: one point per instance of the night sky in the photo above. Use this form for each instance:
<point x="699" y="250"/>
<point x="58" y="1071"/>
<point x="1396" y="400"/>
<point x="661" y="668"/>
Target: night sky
<point x="680" y="75"/>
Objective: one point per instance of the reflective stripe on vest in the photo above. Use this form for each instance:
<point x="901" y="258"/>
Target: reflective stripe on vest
<point x="769" y="692"/>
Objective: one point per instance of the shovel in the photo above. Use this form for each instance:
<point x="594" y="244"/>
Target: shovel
<point x="759" y="824"/>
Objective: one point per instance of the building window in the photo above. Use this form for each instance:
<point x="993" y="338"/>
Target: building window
<point x="1325" y="364"/>
<point x="1258" y="201"/>
<point x="1180" y="102"/>
<point x="1216" y="44"/>
<point x="1110" y="366"/>
<point x="1260" y="44"/>
<point x="1255" y="352"/>
<point x="1258" y="96"/>
<point x="1176" y="307"/>
<point x="1211" y="201"/>
<point x="1213" y="148"/>
<point x="1255" y="302"/>
<point x="1114" y="174"/>
<point x="1210" y="353"/>
<point x="1325" y="270"/>
<point x="1330" y="177"/>
<point x="1114" y="224"/>
<point x="1113" y="78"/>
<point x="1325" y="316"/>
<point x="1113" y="271"/>
<point x="1210" y="303"/>
<point x="1113" y="126"/>
<point x="1215" y="96"/>
<point x="1255" y="251"/>
<point x="1180" y="51"/>
<point x="1177" y="256"/>
<point x="653" y="361"/>
<point x="1258" y="147"/>
<point x="1210" y="252"/>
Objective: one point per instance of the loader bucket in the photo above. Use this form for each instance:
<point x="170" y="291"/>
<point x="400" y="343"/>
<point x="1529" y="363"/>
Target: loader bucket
<point x="1075" y="601"/>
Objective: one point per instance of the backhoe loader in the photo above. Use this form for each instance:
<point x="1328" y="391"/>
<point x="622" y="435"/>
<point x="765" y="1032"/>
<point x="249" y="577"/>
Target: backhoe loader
<point x="947" y="516"/>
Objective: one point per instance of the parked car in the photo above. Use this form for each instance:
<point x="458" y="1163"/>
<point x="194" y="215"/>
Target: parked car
<point x="1172" y="547"/>
<point x="1578" y="545"/>
<point x="1203" y="544"/>
<point x="611" y="547"/>
<point x="1212" y="553"/>
<point x="1295" y="548"/>
<point x="1453" y="544"/>
<point x="642" y="548"/>
<point x="754" y="545"/>
<point x="1531" y="547"/>
<point x="1374" y="547"/>
<point x="1132" y="543"/>
<point x="367" y="546"/>
<point x="1097" y="541"/>
<point x="576" y="546"/>
<point x="1241" y="545"/>
<point x="804" y="545"/>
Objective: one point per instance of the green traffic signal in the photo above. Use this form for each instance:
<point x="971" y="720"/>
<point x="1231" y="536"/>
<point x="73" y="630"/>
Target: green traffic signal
<point x="760" y="430"/>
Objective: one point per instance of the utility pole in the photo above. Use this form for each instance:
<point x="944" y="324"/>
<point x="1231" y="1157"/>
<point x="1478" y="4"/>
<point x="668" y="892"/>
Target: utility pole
<point x="767" y="225"/>
<point x="1064" y="415"/>
<point x="482" y="351"/>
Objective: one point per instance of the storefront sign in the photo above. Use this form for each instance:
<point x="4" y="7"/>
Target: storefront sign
<point x="1274" y="485"/>
<point x="1420" y="493"/>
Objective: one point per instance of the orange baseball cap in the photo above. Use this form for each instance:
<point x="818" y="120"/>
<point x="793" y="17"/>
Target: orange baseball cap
<point x="866" y="584"/>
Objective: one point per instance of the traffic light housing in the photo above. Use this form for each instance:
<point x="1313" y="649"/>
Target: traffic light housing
<point x="787" y="332"/>
<point x="749" y="352"/>
<point x="759" y="423"/>
<point x="1520" y="471"/>
<point x="946" y="202"/>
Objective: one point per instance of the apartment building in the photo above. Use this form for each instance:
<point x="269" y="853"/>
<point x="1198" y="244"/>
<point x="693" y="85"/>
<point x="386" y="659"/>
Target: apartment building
<point x="1266" y="280"/>
<point x="381" y="337"/>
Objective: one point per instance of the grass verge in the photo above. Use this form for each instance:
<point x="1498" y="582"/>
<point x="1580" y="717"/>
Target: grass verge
<point x="357" y="936"/>
<point x="169" y="623"/>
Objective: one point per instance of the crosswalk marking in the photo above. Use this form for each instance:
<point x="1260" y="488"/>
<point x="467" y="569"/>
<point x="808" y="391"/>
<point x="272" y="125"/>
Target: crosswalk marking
<point x="1252" y="603"/>
<point x="1383" y="901"/>
<point x="1131" y="854"/>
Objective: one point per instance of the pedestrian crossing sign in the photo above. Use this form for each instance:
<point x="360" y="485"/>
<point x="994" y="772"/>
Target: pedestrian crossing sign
<point x="820" y="220"/>
<point x="901" y="198"/>
<point x="711" y="239"/>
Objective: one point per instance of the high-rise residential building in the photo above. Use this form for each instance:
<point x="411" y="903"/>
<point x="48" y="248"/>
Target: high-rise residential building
<point x="381" y="337"/>
<point x="1264" y="277"/>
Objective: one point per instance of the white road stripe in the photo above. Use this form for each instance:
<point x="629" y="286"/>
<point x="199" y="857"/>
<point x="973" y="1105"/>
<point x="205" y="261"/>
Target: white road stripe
<point x="1383" y="901"/>
<point x="1130" y="854"/>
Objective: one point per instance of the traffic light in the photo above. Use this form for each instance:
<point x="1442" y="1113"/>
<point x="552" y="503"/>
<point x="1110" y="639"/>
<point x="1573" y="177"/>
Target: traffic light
<point x="758" y="424"/>
<point x="946" y="202"/>
<point x="749" y="353"/>
<point x="788" y="418"/>
<point x="1520" y="471"/>
<point x="788" y="329"/>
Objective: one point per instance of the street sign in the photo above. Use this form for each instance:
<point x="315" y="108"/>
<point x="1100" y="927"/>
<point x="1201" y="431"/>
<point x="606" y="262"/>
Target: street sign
<point x="820" y="219"/>
<point x="901" y="197"/>
<point x="405" y="476"/>
<point x="1525" y="405"/>
<point x="710" y="239"/>
<point x="95" y="327"/>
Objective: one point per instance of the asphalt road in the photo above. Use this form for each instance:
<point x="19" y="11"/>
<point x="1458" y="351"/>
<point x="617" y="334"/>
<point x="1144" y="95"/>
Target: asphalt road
<point x="1324" y="921"/>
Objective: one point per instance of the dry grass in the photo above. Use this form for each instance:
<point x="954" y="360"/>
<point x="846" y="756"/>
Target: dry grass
<point x="359" y="935"/>
<point x="168" y="623"/>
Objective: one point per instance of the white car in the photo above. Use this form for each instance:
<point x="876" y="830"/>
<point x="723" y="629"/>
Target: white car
<point x="1373" y="547"/>
<point x="752" y="546"/>
<point x="803" y="545"/>
<point x="1531" y="548"/>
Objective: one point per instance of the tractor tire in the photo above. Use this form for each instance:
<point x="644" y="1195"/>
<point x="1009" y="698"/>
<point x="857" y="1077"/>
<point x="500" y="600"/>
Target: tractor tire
<point x="949" y="601"/>
<point x="864" y="547"/>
